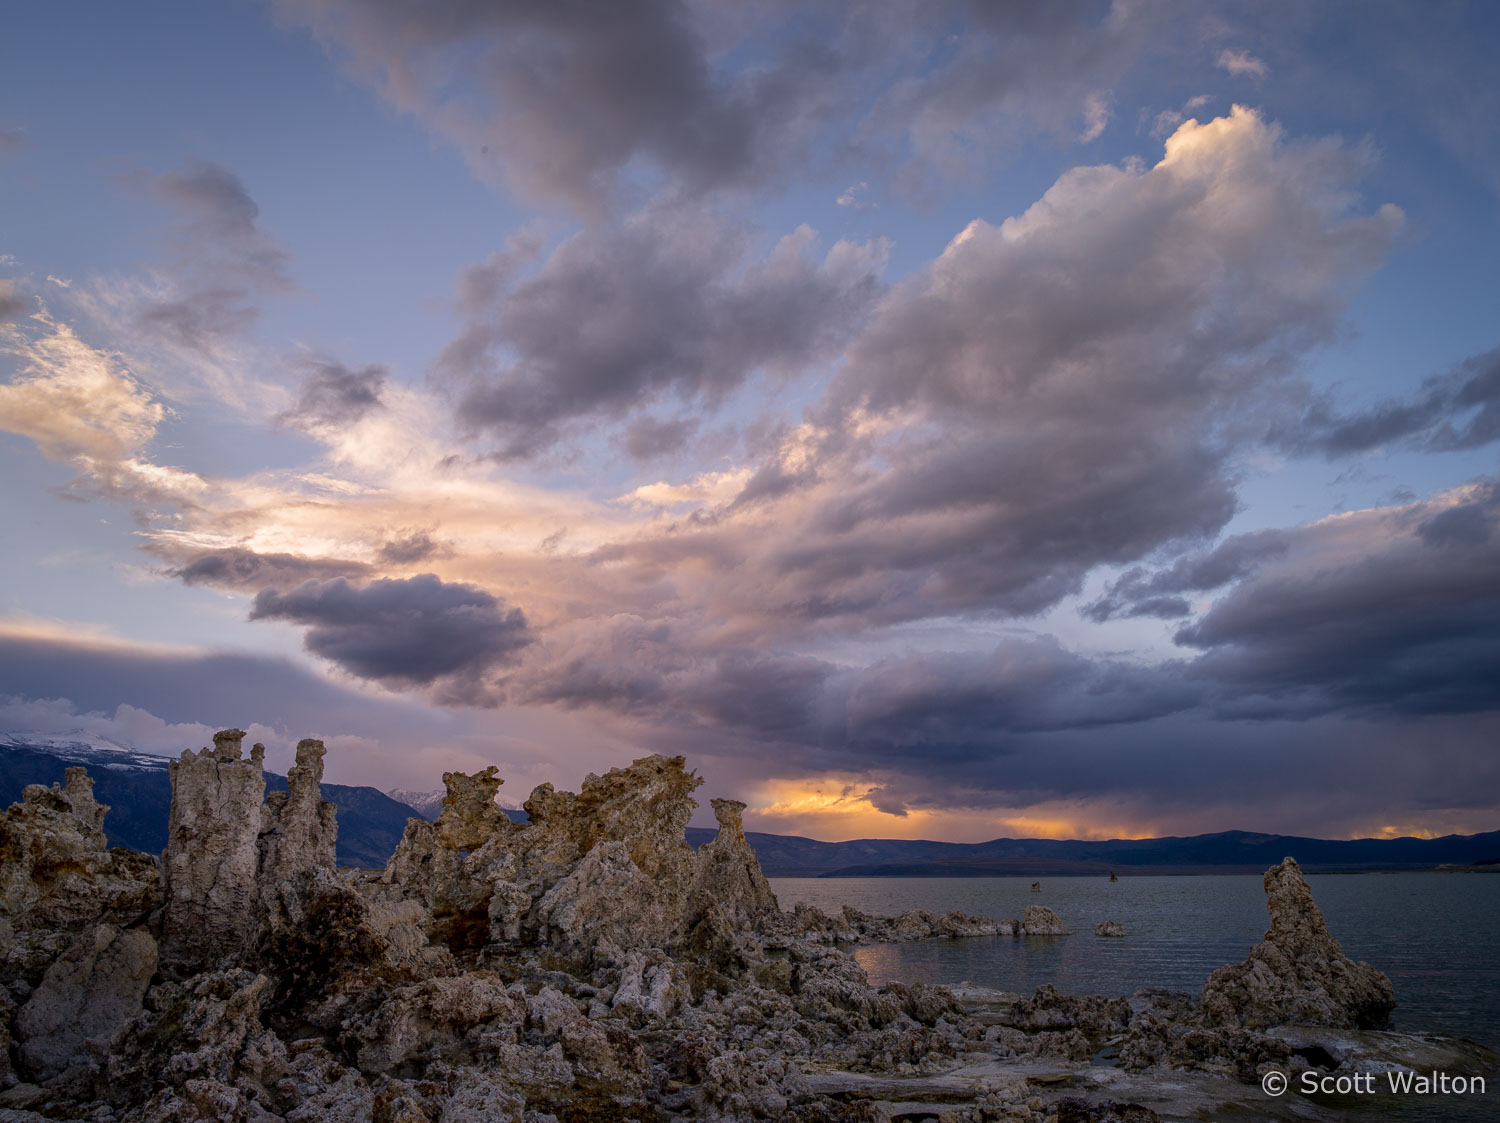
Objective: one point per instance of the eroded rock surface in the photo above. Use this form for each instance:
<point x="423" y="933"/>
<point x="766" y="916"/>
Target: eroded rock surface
<point x="729" y="871"/>
<point x="298" y="829"/>
<point x="1299" y="972"/>
<point x="55" y="874"/>
<point x="212" y="854"/>
<point x="1042" y="921"/>
<point x="88" y="993"/>
<point x="585" y="965"/>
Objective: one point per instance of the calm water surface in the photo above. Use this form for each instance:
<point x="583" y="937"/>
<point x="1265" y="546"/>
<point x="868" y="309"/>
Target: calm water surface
<point x="1433" y="934"/>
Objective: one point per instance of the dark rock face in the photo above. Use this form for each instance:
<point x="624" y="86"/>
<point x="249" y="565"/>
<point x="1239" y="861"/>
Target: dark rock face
<point x="587" y="964"/>
<point x="1299" y="972"/>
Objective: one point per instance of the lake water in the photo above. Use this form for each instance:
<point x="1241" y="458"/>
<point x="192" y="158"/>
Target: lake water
<point x="1433" y="934"/>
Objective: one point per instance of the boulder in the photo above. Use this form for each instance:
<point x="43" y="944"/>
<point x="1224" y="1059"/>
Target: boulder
<point x="1109" y="928"/>
<point x="1042" y="921"/>
<point x="1299" y="972"/>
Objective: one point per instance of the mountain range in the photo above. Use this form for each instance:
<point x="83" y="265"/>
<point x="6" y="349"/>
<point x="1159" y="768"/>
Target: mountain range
<point x="136" y="787"/>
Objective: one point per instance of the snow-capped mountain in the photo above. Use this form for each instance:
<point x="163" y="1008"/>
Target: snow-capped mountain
<point x="426" y="804"/>
<point x="83" y="747"/>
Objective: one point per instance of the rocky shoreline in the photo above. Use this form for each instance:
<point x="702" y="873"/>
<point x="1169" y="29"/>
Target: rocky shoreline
<point x="587" y="964"/>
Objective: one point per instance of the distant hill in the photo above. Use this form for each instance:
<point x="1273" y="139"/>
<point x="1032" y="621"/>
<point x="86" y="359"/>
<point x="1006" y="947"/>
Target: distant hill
<point x="1225" y="852"/>
<point x="139" y="794"/>
<point x="135" y="786"/>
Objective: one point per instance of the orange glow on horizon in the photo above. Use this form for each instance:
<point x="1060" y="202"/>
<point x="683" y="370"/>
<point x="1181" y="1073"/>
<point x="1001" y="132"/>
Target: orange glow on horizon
<point x="840" y="808"/>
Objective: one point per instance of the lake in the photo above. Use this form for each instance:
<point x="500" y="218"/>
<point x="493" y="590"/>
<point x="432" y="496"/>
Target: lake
<point x="1432" y="933"/>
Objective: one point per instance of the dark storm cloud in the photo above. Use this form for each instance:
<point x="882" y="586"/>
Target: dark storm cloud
<point x="667" y="302"/>
<point x="404" y="632"/>
<point x="336" y="396"/>
<point x="220" y="258"/>
<point x="1395" y="610"/>
<point x="1025" y="685"/>
<point x="234" y="568"/>
<point x="916" y="710"/>
<point x="1140" y="592"/>
<point x="1453" y="411"/>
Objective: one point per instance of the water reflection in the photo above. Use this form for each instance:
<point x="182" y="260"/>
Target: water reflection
<point x="1180" y="928"/>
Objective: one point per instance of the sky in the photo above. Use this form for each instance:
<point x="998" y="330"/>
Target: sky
<point x="935" y="420"/>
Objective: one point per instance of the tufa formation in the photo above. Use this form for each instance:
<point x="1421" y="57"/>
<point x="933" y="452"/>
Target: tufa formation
<point x="587" y="964"/>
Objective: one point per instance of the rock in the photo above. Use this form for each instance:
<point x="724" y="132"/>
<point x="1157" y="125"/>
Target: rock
<point x="431" y="1018"/>
<point x="1042" y="921"/>
<point x="587" y="964"/>
<point x="328" y="946"/>
<point x="298" y="829"/>
<point x="212" y="857"/>
<point x="1299" y="972"/>
<point x="1109" y="928"/>
<point x="207" y="1029"/>
<point x="91" y="991"/>
<point x="1074" y="1110"/>
<point x="728" y="870"/>
<point x="607" y="896"/>
<point x="955" y="925"/>
<point x="56" y="876"/>
<point x="482" y="1097"/>
<point x="640" y="814"/>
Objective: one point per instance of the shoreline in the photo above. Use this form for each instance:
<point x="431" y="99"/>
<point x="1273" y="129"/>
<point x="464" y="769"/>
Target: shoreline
<point x="588" y="964"/>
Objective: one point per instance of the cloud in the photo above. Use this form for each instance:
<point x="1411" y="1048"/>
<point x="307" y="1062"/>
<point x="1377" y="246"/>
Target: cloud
<point x="220" y="260"/>
<point x="12" y="142"/>
<point x="1097" y="112"/>
<point x="334" y="396"/>
<point x="558" y="99"/>
<point x="1457" y="410"/>
<point x="1240" y="63"/>
<point x="233" y="568"/>
<point x="1067" y="389"/>
<point x="1394" y="610"/>
<point x="1140" y="592"/>
<point x="408" y="548"/>
<point x="198" y="686"/>
<point x="408" y="632"/>
<point x="13" y="305"/>
<point x="853" y="196"/>
<point x="666" y="303"/>
<point x="1007" y="71"/>
<point x="575" y="103"/>
<point x="78" y="404"/>
<point x="649" y="437"/>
